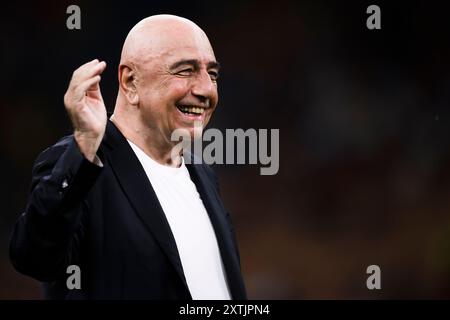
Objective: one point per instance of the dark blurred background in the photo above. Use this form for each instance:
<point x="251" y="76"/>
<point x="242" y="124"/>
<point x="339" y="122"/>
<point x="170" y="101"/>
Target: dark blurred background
<point x="364" y="133"/>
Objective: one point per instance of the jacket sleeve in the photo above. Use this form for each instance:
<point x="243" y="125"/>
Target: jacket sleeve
<point x="46" y="237"/>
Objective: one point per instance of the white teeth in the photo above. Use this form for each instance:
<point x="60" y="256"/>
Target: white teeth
<point x="192" y="109"/>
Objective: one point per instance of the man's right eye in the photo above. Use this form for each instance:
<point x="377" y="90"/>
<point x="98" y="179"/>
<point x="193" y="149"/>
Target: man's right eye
<point x="185" y="72"/>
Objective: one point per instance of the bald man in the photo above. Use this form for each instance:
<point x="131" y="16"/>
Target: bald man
<point x="111" y="213"/>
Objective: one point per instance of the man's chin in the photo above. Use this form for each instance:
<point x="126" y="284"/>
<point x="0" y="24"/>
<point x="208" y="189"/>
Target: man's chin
<point x="193" y="131"/>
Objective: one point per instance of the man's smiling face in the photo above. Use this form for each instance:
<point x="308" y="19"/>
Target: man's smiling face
<point x="177" y="81"/>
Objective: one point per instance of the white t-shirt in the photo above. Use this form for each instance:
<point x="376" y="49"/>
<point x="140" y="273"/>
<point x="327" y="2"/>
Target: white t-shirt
<point x="191" y="228"/>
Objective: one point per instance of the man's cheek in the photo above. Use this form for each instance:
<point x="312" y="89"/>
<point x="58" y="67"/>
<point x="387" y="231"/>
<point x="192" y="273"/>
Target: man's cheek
<point x="179" y="87"/>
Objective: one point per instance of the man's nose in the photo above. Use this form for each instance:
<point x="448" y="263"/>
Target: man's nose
<point x="204" y="87"/>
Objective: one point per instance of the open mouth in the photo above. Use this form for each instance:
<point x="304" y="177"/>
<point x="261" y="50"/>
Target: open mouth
<point x="191" y="110"/>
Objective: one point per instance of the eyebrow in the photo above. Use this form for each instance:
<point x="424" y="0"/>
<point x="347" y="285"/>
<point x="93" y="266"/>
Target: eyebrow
<point x="195" y="63"/>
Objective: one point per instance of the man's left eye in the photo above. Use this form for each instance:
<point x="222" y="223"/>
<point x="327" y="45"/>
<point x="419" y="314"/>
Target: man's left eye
<point x="214" y="75"/>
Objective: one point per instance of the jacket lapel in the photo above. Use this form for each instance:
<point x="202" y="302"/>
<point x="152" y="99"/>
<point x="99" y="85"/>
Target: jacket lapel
<point x="222" y="228"/>
<point x="137" y="187"/>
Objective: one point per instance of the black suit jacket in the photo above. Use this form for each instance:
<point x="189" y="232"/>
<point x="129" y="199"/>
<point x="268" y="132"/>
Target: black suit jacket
<point x="109" y="222"/>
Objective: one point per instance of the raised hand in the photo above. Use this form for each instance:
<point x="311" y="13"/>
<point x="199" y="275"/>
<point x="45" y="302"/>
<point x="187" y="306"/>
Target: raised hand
<point x="84" y="104"/>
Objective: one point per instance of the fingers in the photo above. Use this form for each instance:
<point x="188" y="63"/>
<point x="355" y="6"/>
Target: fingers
<point x="85" y="78"/>
<point x="87" y="85"/>
<point x="88" y="70"/>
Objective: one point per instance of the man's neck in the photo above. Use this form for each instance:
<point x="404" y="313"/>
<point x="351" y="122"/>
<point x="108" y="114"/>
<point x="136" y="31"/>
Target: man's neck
<point x="158" y="149"/>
